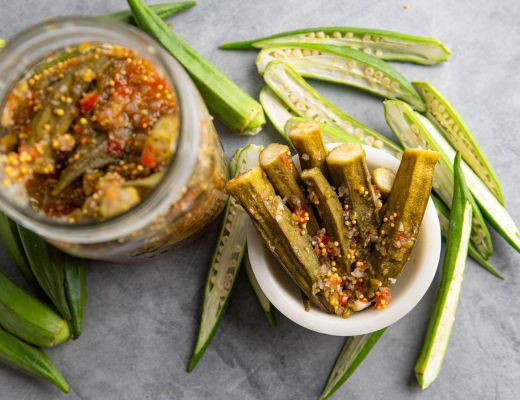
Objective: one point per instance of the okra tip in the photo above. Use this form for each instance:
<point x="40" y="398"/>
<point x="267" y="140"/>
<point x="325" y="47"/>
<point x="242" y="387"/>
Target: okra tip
<point x="255" y="122"/>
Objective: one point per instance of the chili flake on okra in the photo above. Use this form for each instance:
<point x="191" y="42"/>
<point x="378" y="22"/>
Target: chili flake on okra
<point x="88" y="136"/>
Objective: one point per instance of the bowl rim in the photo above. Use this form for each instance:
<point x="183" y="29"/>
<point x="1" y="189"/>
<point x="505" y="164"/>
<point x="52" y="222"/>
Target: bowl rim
<point x="280" y="290"/>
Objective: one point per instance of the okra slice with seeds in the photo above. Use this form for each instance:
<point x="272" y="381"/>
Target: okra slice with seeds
<point x="226" y="259"/>
<point x="444" y="220"/>
<point x="308" y="141"/>
<point x="273" y="220"/>
<point x="416" y="131"/>
<point x="276" y="110"/>
<point x="352" y="354"/>
<point x="304" y="101"/>
<point x="443" y="319"/>
<point x="382" y="44"/>
<point x="451" y="124"/>
<point x="276" y="161"/>
<point x="225" y="100"/>
<point x="330" y="211"/>
<point x="404" y="213"/>
<point x="348" y="169"/>
<point x="344" y="66"/>
<point x="384" y="179"/>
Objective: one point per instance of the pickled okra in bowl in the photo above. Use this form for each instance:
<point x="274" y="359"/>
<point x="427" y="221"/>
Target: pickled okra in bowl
<point x="87" y="133"/>
<point x="341" y="233"/>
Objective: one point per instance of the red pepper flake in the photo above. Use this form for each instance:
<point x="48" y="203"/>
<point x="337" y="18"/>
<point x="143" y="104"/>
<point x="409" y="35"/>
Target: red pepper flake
<point x="383" y="298"/>
<point x="148" y="157"/>
<point x="88" y="102"/>
<point x="114" y="147"/>
<point x="286" y="161"/>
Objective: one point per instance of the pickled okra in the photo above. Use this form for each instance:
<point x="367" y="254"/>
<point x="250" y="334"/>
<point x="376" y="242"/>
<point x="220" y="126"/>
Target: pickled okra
<point x="274" y="222"/>
<point x="415" y="131"/>
<point x="404" y="213"/>
<point x="449" y="121"/>
<point x="343" y="66"/>
<point x="308" y="141"/>
<point x="349" y="172"/>
<point x="382" y="44"/>
<point x="304" y="101"/>
<point x="277" y="163"/>
<point x="329" y="208"/>
<point x="330" y="133"/>
<point x="383" y="178"/>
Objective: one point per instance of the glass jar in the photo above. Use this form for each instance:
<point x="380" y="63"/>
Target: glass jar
<point x="190" y="195"/>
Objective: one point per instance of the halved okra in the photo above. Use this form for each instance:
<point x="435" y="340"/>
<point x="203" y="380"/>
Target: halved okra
<point x="451" y="124"/>
<point x="273" y="220"/>
<point x="415" y="131"/>
<point x="444" y="221"/>
<point x="276" y="161"/>
<point x="344" y="66"/>
<point x="404" y="213"/>
<point x="225" y="100"/>
<point x="348" y="169"/>
<point x="382" y="44"/>
<point x="308" y="142"/>
<point x="330" y="211"/>
<point x="304" y="101"/>
<point x="384" y="179"/>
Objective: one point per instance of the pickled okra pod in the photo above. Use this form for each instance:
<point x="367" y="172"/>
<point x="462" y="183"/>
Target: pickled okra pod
<point x="308" y="141"/>
<point x="330" y="211"/>
<point x="277" y="163"/>
<point x="413" y="130"/>
<point x="349" y="172"/>
<point x="383" y="178"/>
<point x="382" y="44"/>
<point x="404" y="213"/>
<point x="304" y="101"/>
<point x="449" y="121"/>
<point x="225" y="100"/>
<point x="22" y="356"/>
<point x="330" y="133"/>
<point x="344" y="66"/>
<point x="274" y="222"/>
<point x="163" y="10"/>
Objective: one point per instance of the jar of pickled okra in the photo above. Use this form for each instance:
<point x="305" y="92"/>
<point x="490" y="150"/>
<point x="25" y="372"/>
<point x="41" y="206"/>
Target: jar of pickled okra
<point x="106" y="147"/>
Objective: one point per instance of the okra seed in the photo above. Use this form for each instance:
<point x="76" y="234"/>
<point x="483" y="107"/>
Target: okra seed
<point x="378" y="144"/>
<point x="369" y="140"/>
<point x="309" y="113"/>
<point x="369" y="71"/>
<point x="395" y="85"/>
<point x="367" y="50"/>
<point x="349" y="35"/>
<point x="279" y="54"/>
<point x="320" y="35"/>
<point x="366" y="38"/>
<point x="297" y="53"/>
<point x="336" y="35"/>
<point x="386" y="81"/>
<point x="300" y="107"/>
<point x="379" y="53"/>
<point x="312" y="35"/>
<point x="442" y="108"/>
<point x="378" y="74"/>
<point x="351" y="64"/>
<point x="306" y="52"/>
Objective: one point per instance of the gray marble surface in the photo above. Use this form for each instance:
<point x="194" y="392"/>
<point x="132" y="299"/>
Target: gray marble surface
<point x="142" y="319"/>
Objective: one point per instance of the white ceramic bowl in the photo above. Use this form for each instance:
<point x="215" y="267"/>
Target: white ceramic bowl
<point x="410" y="287"/>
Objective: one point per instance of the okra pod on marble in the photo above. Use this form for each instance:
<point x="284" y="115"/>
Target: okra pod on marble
<point x="308" y="142"/>
<point x="449" y="121"/>
<point x="330" y="211"/>
<point x="404" y="213"/>
<point x="274" y="222"/>
<point x="304" y="101"/>
<point x="276" y="161"/>
<point x="382" y="44"/>
<point x="349" y="172"/>
<point x="344" y="66"/>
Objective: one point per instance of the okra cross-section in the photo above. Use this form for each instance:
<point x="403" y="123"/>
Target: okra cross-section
<point x="404" y="213"/>
<point x="382" y="44"/>
<point x="304" y="101"/>
<point x="348" y="169"/>
<point x="277" y="163"/>
<point x="308" y="141"/>
<point x="283" y="236"/>
<point x="329" y="209"/>
<point x="344" y="66"/>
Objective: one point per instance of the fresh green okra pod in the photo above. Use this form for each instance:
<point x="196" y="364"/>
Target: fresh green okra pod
<point x="274" y="222"/>
<point x="404" y="213"/>
<point x="349" y="172"/>
<point x="27" y="318"/>
<point x="330" y="211"/>
<point x="304" y="101"/>
<point x="276" y="161"/>
<point x="163" y="10"/>
<point x="308" y="142"/>
<point x="344" y="66"/>
<point x="75" y="290"/>
<point x="225" y="100"/>
<point x="30" y="360"/>
<point x="382" y="44"/>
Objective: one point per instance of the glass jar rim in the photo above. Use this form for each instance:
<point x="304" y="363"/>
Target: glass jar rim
<point x="38" y="42"/>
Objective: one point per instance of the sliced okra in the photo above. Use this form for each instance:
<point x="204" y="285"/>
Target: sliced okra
<point x="416" y="131"/>
<point x="451" y="124"/>
<point x="276" y="161"/>
<point x="344" y="66"/>
<point x="308" y="141"/>
<point x="276" y="110"/>
<point x="381" y="44"/>
<point x="274" y="222"/>
<point x="383" y="178"/>
<point x="304" y="101"/>
<point x="404" y="213"/>
<point x="330" y="211"/>
<point x="348" y="169"/>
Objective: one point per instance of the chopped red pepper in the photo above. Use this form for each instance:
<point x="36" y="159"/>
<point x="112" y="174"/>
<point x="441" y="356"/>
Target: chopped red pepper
<point x="148" y="157"/>
<point x="114" y="147"/>
<point x="88" y="102"/>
